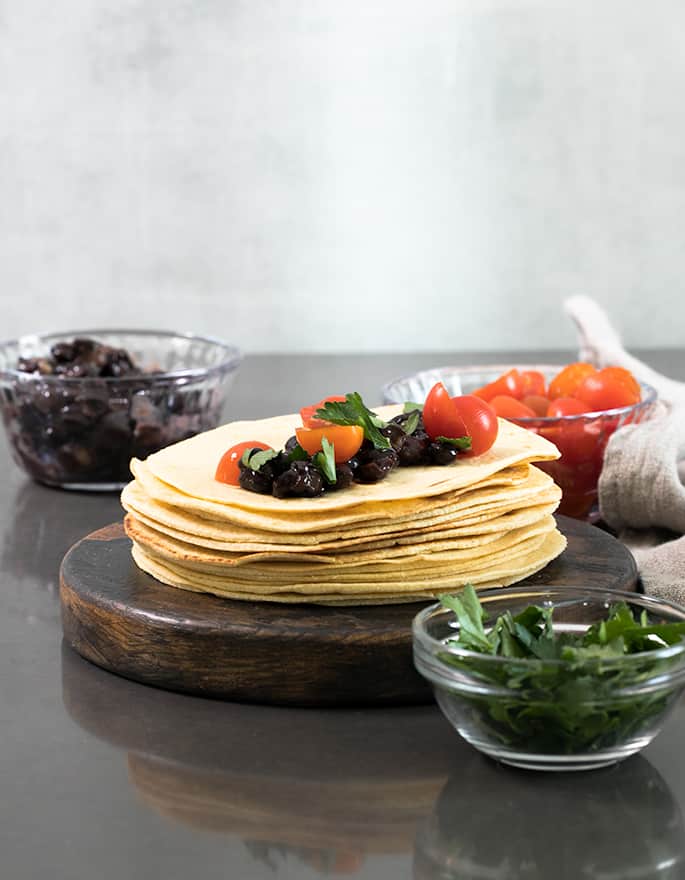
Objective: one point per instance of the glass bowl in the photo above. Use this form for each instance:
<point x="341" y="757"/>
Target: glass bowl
<point x="552" y="714"/>
<point x="81" y="432"/>
<point x="581" y="439"/>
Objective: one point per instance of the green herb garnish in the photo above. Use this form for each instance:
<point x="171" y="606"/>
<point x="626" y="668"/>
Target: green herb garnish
<point x="255" y="458"/>
<point x="325" y="460"/>
<point x="353" y="411"/>
<point x="586" y="703"/>
<point x="457" y="442"/>
<point x="297" y="453"/>
<point x="410" y="406"/>
<point x="412" y="422"/>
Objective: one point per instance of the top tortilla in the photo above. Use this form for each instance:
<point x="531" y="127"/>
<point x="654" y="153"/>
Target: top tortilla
<point x="189" y="467"/>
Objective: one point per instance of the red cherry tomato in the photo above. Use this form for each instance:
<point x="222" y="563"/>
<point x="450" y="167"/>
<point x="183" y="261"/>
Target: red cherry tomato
<point x="566" y="381"/>
<point x="509" y="383"/>
<point x="532" y="382"/>
<point x="307" y="412"/>
<point x="228" y="469"/>
<point x="537" y="403"/>
<point x="440" y="416"/>
<point x="509" y="408"/>
<point x="480" y="421"/>
<point x="606" y="390"/>
<point x="566" y="406"/>
<point x="346" y="440"/>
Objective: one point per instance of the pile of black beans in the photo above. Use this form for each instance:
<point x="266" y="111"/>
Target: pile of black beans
<point x="66" y="432"/>
<point x="302" y="479"/>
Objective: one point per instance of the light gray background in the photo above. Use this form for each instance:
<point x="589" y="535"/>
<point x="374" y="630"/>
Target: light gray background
<point x="326" y="176"/>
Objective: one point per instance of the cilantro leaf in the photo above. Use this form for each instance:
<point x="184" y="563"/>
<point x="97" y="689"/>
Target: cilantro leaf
<point x="458" y="442"/>
<point x="296" y="453"/>
<point x="353" y="411"/>
<point x="470" y="618"/>
<point x="410" y="407"/>
<point x="325" y="460"/>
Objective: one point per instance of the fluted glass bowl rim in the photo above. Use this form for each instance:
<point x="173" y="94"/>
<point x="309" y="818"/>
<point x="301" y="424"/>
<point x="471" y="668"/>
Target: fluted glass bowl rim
<point x="231" y="361"/>
<point x="649" y="393"/>
<point x="427" y="646"/>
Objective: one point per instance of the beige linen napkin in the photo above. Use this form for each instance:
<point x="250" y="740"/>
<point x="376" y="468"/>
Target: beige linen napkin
<point x="641" y="491"/>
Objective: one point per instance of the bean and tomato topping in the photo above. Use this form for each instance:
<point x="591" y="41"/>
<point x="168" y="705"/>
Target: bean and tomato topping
<point x="342" y="442"/>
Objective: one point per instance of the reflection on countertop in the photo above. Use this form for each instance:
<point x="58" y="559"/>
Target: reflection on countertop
<point x="490" y="821"/>
<point x="328" y="788"/>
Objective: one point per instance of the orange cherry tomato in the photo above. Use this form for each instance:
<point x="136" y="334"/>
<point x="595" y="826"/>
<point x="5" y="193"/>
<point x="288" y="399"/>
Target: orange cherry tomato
<point x="620" y="374"/>
<point x="509" y="383"/>
<point x="537" y="403"/>
<point x="567" y="380"/>
<point x="309" y="420"/>
<point x="532" y="382"/>
<point x="510" y="408"/>
<point x="346" y="440"/>
<point x="228" y="469"/>
<point x="480" y="421"/>
<point x="440" y="416"/>
<point x="566" y="406"/>
<point x="605" y="390"/>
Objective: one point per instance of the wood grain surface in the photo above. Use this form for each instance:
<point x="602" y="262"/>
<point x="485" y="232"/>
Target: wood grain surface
<point x="125" y="621"/>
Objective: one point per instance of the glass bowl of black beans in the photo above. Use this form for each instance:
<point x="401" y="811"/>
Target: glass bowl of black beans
<point x="78" y="406"/>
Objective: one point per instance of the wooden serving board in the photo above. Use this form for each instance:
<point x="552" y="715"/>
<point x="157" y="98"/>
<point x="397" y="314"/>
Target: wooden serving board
<point x="125" y="621"/>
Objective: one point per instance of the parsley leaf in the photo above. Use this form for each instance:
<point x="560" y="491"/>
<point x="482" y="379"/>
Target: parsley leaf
<point x="297" y="453"/>
<point x="353" y="411"/>
<point x="457" y="442"/>
<point x="255" y="458"/>
<point x="410" y="406"/>
<point x="325" y="460"/>
<point x="412" y="422"/>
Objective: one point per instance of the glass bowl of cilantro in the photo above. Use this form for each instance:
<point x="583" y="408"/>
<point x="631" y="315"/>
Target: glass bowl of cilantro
<point x="553" y="678"/>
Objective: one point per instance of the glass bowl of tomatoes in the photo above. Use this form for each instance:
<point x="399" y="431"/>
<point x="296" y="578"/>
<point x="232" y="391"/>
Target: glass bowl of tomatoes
<point x="577" y="407"/>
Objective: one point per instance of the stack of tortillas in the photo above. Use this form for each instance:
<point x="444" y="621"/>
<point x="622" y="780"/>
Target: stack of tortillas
<point x="422" y="531"/>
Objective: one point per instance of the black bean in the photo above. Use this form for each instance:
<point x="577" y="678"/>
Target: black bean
<point x="376" y="465"/>
<point x="301" y="479"/>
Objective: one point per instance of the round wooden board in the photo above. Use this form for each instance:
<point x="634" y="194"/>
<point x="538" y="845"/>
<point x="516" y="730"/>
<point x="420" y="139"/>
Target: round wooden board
<point x="125" y="621"/>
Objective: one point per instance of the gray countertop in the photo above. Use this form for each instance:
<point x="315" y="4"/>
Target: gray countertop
<point x="102" y="778"/>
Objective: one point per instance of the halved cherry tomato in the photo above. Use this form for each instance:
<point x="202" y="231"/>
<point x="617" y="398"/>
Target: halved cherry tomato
<point x="228" y="469"/>
<point x="537" y="403"/>
<point x="440" y="417"/>
<point x="509" y="383"/>
<point x="532" y="382"/>
<point x="480" y="421"/>
<point x="606" y="390"/>
<point x="566" y="381"/>
<point x="307" y="412"/>
<point x="509" y="408"/>
<point x="566" y="406"/>
<point x="346" y="440"/>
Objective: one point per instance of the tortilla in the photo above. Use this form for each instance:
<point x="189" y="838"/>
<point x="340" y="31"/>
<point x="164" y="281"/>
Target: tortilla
<point x="189" y="468"/>
<point x="365" y="593"/>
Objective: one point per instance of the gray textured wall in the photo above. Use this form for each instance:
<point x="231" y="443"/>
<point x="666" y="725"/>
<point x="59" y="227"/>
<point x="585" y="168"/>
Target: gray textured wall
<point x="311" y="174"/>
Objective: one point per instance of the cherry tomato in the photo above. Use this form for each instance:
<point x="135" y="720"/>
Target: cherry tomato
<point x="309" y="420"/>
<point x="537" y="403"/>
<point x="620" y="374"/>
<point x="480" y="421"/>
<point x="566" y="381"/>
<point x="510" y="408"/>
<point x="346" y="440"/>
<point x="532" y="382"/>
<point x="509" y="383"/>
<point x="228" y="469"/>
<point x="566" y="406"/>
<point x="604" y="390"/>
<point x="440" y="416"/>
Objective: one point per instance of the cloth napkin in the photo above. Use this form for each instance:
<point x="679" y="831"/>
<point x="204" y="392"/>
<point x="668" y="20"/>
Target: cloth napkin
<point x="641" y="491"/>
